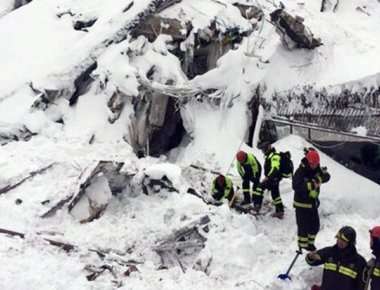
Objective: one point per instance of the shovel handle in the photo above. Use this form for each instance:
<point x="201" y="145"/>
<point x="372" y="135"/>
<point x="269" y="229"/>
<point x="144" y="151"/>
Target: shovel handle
<point x="286" y="275"/>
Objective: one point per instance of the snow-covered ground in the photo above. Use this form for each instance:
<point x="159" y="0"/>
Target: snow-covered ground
<point x="247" y="253"/>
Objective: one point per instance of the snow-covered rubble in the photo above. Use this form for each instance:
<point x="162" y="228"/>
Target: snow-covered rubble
<point x="240" y="251"/>
<point x="43" y="54"/>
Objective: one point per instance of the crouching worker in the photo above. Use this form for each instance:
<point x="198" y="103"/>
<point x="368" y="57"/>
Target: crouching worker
<point x="343" y="267"/>
<point x="222" y="187"/>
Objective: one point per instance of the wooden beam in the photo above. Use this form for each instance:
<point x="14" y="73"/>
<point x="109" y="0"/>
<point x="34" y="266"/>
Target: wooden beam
<point x="64" y="246"/>
<point x="22" y="180"/>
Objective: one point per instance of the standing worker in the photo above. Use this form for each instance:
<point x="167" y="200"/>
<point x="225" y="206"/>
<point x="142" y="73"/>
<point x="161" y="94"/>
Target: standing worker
<point x="249" y="169"/>
<point x="374" y="264"/>
<point x="343" y="267"/>
<point x="271" y="182"/>
<point x="307" y="181"/>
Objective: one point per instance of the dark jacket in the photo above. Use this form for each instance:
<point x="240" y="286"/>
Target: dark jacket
<point x="305" y="193"/>
<point x="343" y="269"/>
<point x="374" y="266"/>
<point x="374" y="272"/>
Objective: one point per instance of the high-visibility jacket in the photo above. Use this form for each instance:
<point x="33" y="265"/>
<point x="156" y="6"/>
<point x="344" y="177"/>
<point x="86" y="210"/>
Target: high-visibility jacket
<point x="226" y="191"/>
<point x="305" y="193"/>
<point x="250" y="171"/>
<point x="251" y="168"/>
<point x="342" y="269"/>
<point x="272" y="164"/>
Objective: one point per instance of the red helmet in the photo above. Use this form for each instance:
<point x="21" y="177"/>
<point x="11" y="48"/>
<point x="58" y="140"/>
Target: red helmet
<point x="220" y="180"/>
<point x="312" y="157"/>
<point x="241" y="156"/>
<point x="375" y="232"/>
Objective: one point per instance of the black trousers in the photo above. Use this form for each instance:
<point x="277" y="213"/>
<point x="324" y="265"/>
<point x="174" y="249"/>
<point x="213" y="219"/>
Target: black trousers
<point x="273" y="185"/>
<point x="307" y="226"/>
<point x="246" y="188"/>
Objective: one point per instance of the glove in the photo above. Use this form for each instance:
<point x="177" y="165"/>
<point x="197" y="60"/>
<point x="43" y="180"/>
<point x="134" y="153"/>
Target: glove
<point x="313" y="194"/>
<point x="316" y="183"/>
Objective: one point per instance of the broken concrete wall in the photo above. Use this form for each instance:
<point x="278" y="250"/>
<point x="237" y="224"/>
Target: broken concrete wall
<point x="329" y="5"/>
<point x="170" y="134"/>
<point x="156" y="25"/>
<point x="268" y="131"/>
<point x="293" y="33"/>
<point x="19" y="3"/>
<point x="10" y="133"/>
<point x="183" y="246"/>
<point x="250" y="11"/>
<point x="157" y="125"/>
<point x="199" y="50"/>
<point x="216" y="50"/>
<point x="94" y="201"/>
<point x="206" y="46"/>
<point x="158" y="109"/>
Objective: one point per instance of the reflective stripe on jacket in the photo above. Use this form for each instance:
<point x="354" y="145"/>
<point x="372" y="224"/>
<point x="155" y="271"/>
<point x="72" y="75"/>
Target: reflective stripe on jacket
<point x="272" y="164"/>
<point x="375" y="275"/>
<point x="305" y="193"/>
<point x="342" y="269"/>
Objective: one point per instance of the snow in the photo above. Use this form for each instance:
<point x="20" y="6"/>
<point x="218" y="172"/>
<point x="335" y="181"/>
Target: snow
<point x="217" y="133"/>
<point x="349" y="51"/>
<point x="361" y="131"/>
<point x="167" y="67"/>
<point x="158" y="171"/>
<point x="5" y="7"/>
<point x="197" y="11"/>
<point x="98" y="194"/>
<point x="245" y="252"/>
<point x="37" y="52"/>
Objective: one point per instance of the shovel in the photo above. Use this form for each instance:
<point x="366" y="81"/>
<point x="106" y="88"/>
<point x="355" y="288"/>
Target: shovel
<point x="286" y="275"/>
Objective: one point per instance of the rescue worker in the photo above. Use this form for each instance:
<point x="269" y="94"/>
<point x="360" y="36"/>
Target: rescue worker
<point x="249" y="169"/>
<point x="344" y="268"/>
<point x="222" y="187"/>
<point x="271" y="182"/>
<point x="307" y="181"/>
<point x="374" y="264"/>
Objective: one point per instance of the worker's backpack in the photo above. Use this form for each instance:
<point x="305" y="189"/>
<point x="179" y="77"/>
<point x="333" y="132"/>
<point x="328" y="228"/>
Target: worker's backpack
<point x="286" y="164"/>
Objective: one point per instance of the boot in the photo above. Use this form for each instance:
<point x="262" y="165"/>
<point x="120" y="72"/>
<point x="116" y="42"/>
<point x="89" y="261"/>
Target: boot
<point x="257" y="208"/>
<point x="310" y="248"/>
<point x="247" y="199"/>
<point x="278" y="214"/>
